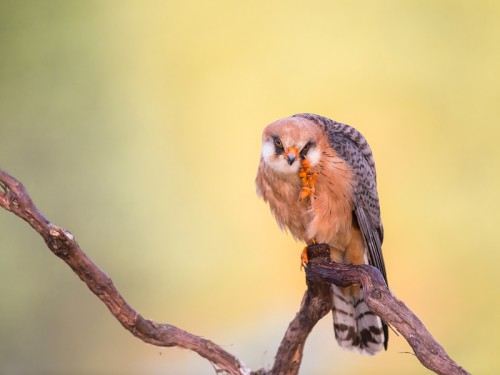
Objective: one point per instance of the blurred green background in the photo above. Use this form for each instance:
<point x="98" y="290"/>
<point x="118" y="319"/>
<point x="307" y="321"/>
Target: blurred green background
<point x="136" y="125"/>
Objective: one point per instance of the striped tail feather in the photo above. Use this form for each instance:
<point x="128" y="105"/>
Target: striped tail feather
<point x="355" y="326"/>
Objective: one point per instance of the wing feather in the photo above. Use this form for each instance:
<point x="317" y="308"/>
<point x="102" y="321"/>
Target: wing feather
<point x="351" y="146"/>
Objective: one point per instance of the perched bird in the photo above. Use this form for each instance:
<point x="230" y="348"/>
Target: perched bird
<point x="319" y="179"/>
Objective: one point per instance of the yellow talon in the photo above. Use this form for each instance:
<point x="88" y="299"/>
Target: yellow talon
<point x="303" y="258"/>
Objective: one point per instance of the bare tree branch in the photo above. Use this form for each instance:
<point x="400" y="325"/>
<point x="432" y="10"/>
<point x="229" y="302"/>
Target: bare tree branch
<point x="383" y="303"/>
<point x="61" y="242"/>
<point x="316" y="303"/>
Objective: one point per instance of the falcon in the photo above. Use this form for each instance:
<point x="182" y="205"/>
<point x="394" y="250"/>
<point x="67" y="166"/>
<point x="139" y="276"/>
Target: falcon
<point x="318" y="177"/>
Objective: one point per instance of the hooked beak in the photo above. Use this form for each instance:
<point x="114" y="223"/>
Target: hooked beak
<point x="291" y="153"/>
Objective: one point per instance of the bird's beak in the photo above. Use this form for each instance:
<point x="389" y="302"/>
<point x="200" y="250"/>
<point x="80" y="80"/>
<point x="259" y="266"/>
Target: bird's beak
<point x="291" y="153"/>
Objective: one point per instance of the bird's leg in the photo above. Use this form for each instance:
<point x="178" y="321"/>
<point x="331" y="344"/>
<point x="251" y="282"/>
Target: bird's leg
<point x="304" y="259"/>
<point x="308" y="180"/>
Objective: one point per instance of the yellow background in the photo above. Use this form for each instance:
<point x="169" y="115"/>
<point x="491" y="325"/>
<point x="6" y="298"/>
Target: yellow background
<point x="136" y="125"/>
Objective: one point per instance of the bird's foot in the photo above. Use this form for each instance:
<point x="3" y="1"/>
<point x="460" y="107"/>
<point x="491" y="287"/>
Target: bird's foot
<point x="303" y="258"/>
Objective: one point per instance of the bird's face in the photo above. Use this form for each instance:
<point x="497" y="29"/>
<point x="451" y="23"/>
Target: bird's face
<point x="286" y="142"/>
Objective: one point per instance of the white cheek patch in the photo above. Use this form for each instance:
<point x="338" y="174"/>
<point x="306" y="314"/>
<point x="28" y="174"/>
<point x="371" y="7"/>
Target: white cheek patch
<point x="313" y="156"/>
<point x="267" y="151"/>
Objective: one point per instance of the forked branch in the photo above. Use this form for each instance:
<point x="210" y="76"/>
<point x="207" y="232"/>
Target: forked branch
<point x="316" y="303"/>
<point x="383" y="303"/>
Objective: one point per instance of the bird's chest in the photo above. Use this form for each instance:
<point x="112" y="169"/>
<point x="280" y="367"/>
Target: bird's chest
<point x="291" y="212"/>
<point x="326" y="219"/>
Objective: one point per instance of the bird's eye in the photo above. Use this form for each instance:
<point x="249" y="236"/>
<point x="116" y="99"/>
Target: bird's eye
<point x="278" y="143"/>
<point x="304" y="150"/>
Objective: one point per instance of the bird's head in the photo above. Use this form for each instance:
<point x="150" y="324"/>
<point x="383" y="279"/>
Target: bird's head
<point x="286" y="142"/>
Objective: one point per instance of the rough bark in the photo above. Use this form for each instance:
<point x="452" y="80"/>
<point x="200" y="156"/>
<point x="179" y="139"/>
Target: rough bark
<point x="316" y="303"/>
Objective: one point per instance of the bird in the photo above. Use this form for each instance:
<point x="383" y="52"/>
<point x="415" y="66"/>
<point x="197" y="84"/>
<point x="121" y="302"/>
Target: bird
<point x="318" y="177"/>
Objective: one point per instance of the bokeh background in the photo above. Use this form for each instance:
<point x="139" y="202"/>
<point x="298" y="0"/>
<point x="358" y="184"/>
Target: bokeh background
<point x="136" y="125"/>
